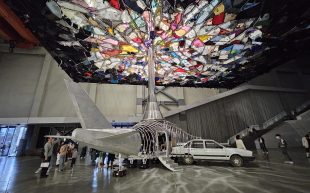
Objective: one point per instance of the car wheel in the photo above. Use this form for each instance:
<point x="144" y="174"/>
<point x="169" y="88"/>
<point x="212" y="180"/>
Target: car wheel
<point x="188" y="160"/>
<point x="236" y="161"/>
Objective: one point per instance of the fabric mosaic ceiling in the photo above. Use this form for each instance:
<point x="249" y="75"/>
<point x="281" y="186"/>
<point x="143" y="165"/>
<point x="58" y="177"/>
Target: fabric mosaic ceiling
<point x="208" y="43"/>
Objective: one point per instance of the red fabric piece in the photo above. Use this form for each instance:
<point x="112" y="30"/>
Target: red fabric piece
<point x="88" y="74"/>
<point x="218" y="19"/>
<point x="112" y="52"/>
<point x="180" y="70"/>
<point x="178" y="18"/>
<point x="203" y="80"/>
<point x="194" y="67"/>
<point x="224" y="31"/>
<point x="236" y="42"/>
<point x="115" y="4"/>
<point x="137" y="40"/>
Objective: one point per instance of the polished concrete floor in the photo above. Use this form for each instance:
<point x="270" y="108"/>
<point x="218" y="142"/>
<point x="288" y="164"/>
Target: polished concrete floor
<point x="17" y="175"/>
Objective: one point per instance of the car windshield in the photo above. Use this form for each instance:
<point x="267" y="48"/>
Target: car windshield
<point x="197" y="144"/>
<point x="212" y="144"/>
<point x="187" y="145"/>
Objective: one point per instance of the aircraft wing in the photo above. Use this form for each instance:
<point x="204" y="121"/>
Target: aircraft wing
<point x="118" y="135"/>
<point x="59" y="136"/>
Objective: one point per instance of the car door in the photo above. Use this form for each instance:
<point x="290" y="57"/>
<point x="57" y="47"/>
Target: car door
<point x="197" y="149"/>
<point x="215" y="151"/>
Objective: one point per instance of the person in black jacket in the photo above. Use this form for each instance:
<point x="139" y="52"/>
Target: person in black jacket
<point x="283" y="147"/>
<point x="111" y="158"/>
<point x="263" y="145"/>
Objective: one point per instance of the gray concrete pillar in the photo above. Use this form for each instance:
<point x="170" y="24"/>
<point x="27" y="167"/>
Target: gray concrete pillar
<point x="139" y="101"/>
<point x="40" y="90"/>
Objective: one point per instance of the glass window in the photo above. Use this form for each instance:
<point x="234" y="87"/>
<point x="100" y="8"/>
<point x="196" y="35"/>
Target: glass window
<point x="187" y="145"/>
<point x="211" y="144"/>
<point x="197" y="144"/>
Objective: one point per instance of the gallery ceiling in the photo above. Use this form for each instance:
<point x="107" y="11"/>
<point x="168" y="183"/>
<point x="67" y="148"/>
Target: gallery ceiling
<point x="197" y="43"/>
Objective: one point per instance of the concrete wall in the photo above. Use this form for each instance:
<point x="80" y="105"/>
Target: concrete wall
<point x="32" y="86"/>
<point x="19" y="76"/>
<point x="291" y="131"/>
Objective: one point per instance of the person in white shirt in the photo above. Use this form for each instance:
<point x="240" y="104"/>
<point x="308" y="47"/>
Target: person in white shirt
<point x="239" y="143"/>
<point x="305" y="142"/>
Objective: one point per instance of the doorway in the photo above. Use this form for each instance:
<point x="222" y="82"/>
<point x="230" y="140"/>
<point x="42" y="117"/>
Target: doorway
<point x="12" y="140"/>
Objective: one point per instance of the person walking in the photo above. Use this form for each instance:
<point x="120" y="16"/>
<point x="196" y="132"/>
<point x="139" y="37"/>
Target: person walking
<point x="46" y="156"/>
<point x="74" y="156"/>
<point x="306" y="142"/>
<point x="58" y="154"/>
<point x="283" y="147"/>
<point x="83" y="152"/>
<point x="239" y="143"/>
<point x="263" y="145"/>
<point x="111" y="158"/>
<point x="101" y="160"/>
<point x="93" y="157"/>
<point x="62" y="156"/>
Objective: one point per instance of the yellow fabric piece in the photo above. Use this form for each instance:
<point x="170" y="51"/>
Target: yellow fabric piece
<point x="219" y="9"/>
<point x="95" y="50"/>
<point x="123" y="53"/>
<point x="110" y="30"/>
<point x="128" y="48"/>
<point x="93" y="22"/>
<point x="180" y="32"/>
<point x="204" y="38"/>
<point x="169" y="33"/>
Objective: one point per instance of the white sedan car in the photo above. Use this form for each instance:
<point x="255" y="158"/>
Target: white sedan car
<point x="205" y="149"/>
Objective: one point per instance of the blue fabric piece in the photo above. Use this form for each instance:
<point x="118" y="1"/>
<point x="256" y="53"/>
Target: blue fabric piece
<point x="132" y="4"/>
<point x="227" y="4"/>
<point x="237" y="48"/>
<point x="175" y="55"/>
<point x="119" y="77"/>
<point x="114" y="81"/>
<point x="217" y="38"/>
<point x="248" y="6"/>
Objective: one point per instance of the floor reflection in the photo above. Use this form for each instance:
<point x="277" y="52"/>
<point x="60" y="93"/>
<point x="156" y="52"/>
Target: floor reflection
<point x="17" y="175"/>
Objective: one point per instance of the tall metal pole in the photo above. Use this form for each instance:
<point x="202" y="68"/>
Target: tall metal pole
<point x="152" y="111"/>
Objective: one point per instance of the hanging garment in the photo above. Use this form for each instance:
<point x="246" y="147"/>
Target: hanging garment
<point x="132" y="4"/>
<point x="115" y="4"/>
<point x="219" y="14"/>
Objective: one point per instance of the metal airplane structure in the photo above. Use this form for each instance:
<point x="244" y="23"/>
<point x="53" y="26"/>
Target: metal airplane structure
<point x="138" y="143"/>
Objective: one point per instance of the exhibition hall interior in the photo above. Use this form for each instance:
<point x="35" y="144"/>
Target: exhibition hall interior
<point x="157" y="96"/>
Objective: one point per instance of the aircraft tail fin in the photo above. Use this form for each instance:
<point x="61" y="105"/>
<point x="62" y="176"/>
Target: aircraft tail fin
<point x="87" y="111"/>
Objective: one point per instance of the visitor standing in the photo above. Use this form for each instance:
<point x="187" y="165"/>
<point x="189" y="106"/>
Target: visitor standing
<point x="263" y="145"/>
<point x="74" y="156"/>
<point x="101" y="159"/>
<point x="47" y="155"/>
<point x="111" y="158"/>
<point x="306" y="142"/>
<point x="93" y="156"/>
<point x="62" y="158"/>
<point x="283" y="147"/>
<point x="2" y="148"/>
<point x="83" y="152"/>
